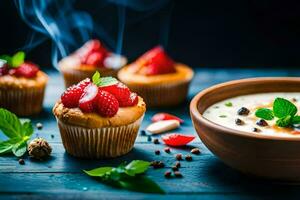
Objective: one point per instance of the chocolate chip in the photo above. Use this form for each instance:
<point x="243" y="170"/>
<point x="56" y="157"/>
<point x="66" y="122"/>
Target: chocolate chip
<point x="174" y="168"/>
<point x="178" y="174"/>
<point x="157" y="164"/>
<point x="156" y="141"/>
<point x="178" y="156"/>
<point x="294" y="100"/>
<point x="188" y="158"/>
<point x="243" y="111"/>
<point x="39" y="126"/>
<point x="143" y="132"/>
<point x="255" y="129"/>
<point x="157" y="152"/>
<point x="262" y="122"/>
<point x="195" y="151"/>
<point x="168" y="174"/>
<point x="177" y="164"/>
<point x="21" y="161"/>
<point x="239" y="121"/>
<point x="167" y="150"/>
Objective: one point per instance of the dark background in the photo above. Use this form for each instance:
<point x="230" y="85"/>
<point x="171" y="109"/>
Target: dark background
<point x="263" y="34"/>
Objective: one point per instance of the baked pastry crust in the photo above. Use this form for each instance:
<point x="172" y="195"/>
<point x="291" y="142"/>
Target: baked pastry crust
<point x="124" y="116"/>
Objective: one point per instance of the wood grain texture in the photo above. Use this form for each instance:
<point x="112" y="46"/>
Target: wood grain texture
<point x="204" y="178"/>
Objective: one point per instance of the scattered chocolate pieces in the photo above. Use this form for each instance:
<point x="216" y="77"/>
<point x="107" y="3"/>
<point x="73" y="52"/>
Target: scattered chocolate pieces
<point x="188" y="158"/>
<point x="143" y="132"/>
<point x="167" y="149"/>
<point x="157" y="164"/>
<point x="156" y="141"/>
<point x="195" y="151"/>
<point x="255" y="129"/>
<point x="178" y="174"/>
<point x="262" y="122"/>
<point x="243" y="111"/>
<point x="168" y="174"/>
<point x="178" y="164"/>
<point x="163" y="126"/>
<point x="239" y="121"/>
<point x="294" y="99"/>
<point x="21" y="161"/>
<point x="178" y="156"/>
<point x="157" y="152"/>
<point x="39" y="126"/>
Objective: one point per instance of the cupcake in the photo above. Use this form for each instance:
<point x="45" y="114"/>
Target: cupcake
<point x="99" y="118"/>
<point x="157" y="78"/>
<point x="22" y="85"/>
<point x="88" y="59"/>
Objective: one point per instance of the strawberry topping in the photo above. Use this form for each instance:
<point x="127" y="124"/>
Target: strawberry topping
<point x="156" y="61"/>
<point x="4" y="70"/>
<point x="120" y="91"/>
<point x="26" y="69"/>
<point x="106" y="104"/>
<point x="87" y="99"/>
<point x="131" y="101"/>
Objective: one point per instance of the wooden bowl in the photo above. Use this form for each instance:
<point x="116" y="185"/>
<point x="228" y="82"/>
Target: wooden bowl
<point x="265" y="156"/>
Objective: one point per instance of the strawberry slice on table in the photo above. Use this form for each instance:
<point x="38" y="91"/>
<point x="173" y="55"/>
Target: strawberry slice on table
<point x="88" y="97"/>
<point x="26" y="69"/>
<point x="70" y="98"/>
<point x="165" y="116"/>
<point x="120" y="91"/>
<point x="156" y="61"/>
<point x="106" y="104"/>
<point x="176" y="139"/>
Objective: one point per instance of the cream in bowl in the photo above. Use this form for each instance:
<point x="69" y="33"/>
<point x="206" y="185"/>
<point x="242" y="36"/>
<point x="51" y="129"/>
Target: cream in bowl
<point x="257" y="114"/>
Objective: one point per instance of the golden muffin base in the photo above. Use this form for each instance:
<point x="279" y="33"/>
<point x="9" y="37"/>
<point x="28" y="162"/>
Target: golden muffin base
<point x="97" y="143"/>
<point x="74" y="72"/>
<point x="160" y="90"/>
<point x="22" y="96"/>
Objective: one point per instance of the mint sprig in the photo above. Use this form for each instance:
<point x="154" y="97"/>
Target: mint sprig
<point x="282" y="109"/>
<point x="103" y="81"/>
<point x="130" y="177"/>
<point x="18" y="133"/>
<point x="14" y="61"/>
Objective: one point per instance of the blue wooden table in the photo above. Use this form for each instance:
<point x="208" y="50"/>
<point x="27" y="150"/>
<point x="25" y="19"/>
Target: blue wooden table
<point x="205" y="177"/>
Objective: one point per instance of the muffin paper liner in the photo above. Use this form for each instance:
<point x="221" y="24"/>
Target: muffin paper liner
<point x="72" y="77"/>
<point x="22" y="102"/>
<point x="106" y="142"/>
<point x="167" y="94"/>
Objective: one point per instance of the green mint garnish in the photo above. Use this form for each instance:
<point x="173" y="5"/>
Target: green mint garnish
<point x="14" y="61"/>
<point x="18" y="133"/>
<point x="228" y="104"/>
<point x="283" y="109"/>
<point x="130" y="177"/>
<point x="103" y="81"/>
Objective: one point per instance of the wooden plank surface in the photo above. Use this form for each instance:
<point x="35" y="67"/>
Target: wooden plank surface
<point x="206" y="177"/>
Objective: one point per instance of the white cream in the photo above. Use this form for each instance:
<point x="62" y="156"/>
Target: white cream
<point x="224" y="115"/>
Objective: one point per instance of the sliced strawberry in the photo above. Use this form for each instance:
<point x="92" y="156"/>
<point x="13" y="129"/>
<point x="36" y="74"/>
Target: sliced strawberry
<point x="156" y="61"/>
<point x="165" y="116"/>
<point x="88" y="97"/>
<point x="70" y="98"/>
<point x="131" y="101"/>
<point x="95" y="58"/>
<point x="26" y="69"/>
<point x="176" y="139"/>
<point x="4" y="70"/>
<point x="106" y="104"/>
<point x="120" y="91"/>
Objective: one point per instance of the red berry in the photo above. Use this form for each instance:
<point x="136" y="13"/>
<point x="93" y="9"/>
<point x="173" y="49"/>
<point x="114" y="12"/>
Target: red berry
<point x="120" y="91"/>
<point x="106" y="104"/>
<point x="87" y="98"/>
<point x="70" y="98"/>
<point x="96" y="58"/>
<point x="26" y="69"/>
<point x="131" y="101"/>
<point x="3" y="70"/>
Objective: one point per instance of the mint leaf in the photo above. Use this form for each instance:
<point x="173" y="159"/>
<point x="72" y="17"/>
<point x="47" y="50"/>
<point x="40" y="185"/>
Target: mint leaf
<point x="106" y="81"/>
<point x="17" y="59"/>
<point x="283" y="108"/>
<point x="136" y="167"/>
<point x="141" y="184"/>
<point x="27" y="128"/>
<point x="98" y="172"/>
<point x="96" y="78"/>
<point x="264" y="113"/>
<point x="20" y="148"/>
<point x="296" y="120"/>
<point x="7" y="58"/>
<point x="228" y="104"/>
<point x="10" y="125"/>
<point x="284" y="121"/>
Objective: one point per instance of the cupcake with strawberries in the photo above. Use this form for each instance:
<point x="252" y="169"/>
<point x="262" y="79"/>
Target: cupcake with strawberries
<point x="22" y="85"/>
<point x="99" y="118"/>
<point x="157" y="78"/>
<point x="91" y="57"/>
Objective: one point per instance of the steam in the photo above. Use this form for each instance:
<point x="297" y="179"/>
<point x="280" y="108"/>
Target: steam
<point x="69" y="28"/>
